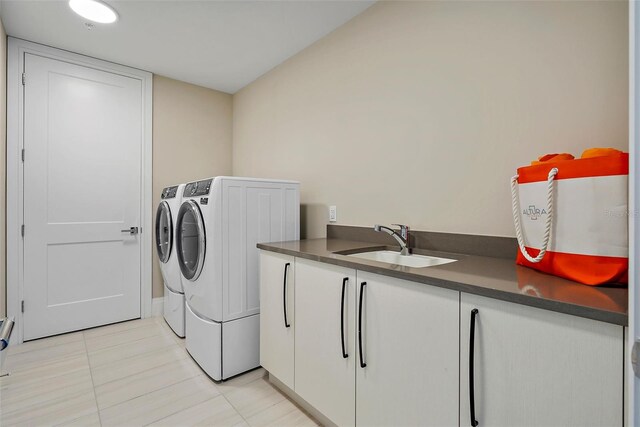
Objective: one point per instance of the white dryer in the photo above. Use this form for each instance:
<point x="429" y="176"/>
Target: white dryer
<point x="166" y="217"/>
<point x="219" y="224"/>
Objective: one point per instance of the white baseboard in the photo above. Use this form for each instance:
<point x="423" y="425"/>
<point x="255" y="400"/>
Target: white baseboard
<point x="157" y="306"/>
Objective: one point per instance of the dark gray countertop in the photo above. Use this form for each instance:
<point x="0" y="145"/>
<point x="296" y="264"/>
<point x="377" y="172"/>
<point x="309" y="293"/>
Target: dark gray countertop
<point x="497" y="278"/>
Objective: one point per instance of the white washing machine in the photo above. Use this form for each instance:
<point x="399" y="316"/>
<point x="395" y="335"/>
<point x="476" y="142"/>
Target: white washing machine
<point x="166" y="217"/>
<point x="219" y="224"/>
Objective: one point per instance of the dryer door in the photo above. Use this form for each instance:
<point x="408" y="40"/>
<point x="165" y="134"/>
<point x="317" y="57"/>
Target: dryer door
<point x="164" y="232"/>
<point x="191" y="240"/>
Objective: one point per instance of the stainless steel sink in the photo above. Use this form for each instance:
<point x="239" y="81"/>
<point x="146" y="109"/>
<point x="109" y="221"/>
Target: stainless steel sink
<point x="391" y="257"/>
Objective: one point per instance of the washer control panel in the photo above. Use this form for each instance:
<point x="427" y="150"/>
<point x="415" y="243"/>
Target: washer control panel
<point x="197" y="189"/>
<point x="169" y="192"/>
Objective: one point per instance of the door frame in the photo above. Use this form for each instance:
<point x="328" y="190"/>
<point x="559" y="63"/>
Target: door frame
<point x="632" y="389"/>
<point x="16" y="49"/>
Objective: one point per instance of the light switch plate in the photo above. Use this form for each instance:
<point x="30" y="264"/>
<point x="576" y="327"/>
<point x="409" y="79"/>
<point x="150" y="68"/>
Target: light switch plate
<point x="333" y="214"/>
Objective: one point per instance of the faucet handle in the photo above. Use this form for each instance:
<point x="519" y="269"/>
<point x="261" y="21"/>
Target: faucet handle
<point x="404" y="230"/>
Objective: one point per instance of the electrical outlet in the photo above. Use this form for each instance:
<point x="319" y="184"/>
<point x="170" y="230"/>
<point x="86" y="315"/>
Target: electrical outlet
<point x="333" y="214"/>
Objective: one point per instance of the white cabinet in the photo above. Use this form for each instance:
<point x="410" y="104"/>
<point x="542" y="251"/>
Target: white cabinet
<point x="535" y="367"/>
<point x="325" y="356"/>
<point x="277" y="315"/>
<point x="390" y="352"/>
<point x="410" y="348"/>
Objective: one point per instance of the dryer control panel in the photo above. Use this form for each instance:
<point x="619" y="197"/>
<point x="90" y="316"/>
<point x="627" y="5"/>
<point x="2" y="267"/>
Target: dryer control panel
<point x="169" y="192"/>
<point x="198" y="188"/>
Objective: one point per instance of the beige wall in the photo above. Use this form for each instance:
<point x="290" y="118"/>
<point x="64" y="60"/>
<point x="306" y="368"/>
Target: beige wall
<point x="3" y="174"/>
<point x="419" y="112"/>
<point x="191" y="139"/>
<point x="413" y="112"/>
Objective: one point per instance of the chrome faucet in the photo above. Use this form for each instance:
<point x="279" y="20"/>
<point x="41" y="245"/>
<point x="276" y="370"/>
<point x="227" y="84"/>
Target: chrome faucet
<point x="402" y="238"/>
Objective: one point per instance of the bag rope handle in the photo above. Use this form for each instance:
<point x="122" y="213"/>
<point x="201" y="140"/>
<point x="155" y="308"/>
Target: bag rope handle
<point x="515" y="206"/>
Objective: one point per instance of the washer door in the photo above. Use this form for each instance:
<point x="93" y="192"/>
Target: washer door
<point x="164" y="232"/>
<point x="191" y="240"/>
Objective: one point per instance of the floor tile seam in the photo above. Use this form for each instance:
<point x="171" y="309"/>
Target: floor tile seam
<point x="47" y="403"/>
<point x="21" y="383"/>
<point x="39" y="394"/>
<point x="147" y="370"/>
<point x="139" y="372"/>
<point x="95" y="397"/>
<point x="127" y="357"/>
<point x="74" y="419"/>
<point x="222" y="384"/>
<point x="144" y="394"/>
<point x="56" y="359"/>
<point x="184" y="409"/>
<point x="235" y="409"/>
<point x="120" y="343"/>
<point x="21" y="351"/>
<point x="95" y="337"/>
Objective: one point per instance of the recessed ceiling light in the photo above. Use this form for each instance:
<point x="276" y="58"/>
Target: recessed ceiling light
<point x="94" y="10"/>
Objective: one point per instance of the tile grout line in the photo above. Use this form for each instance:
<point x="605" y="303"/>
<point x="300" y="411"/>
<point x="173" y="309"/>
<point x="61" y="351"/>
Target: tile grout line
<point x="236" y="409"/>
<point x="133" y="342"/>
<point x="133" y="324"/>
<point x="146" y="370"/>
<point x="47" y="402"/>
<point x="184" y="409"/>
<point x="126" y="360"/>
<point x="178" y="411"/>
<point x="176" y="344"/>
<point x="120" y="343"/>
<point x="95" y="397"/>
<point x="144" y="394"/>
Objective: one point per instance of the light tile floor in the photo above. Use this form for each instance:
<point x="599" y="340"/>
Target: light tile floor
<point x="131" y="374"/>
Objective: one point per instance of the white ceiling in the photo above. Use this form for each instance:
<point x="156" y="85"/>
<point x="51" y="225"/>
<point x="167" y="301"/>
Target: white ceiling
<point x="222" y="45"/>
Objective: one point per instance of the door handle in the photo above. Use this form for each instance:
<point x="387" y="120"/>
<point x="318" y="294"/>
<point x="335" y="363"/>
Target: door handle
<point x="362" y="362"/>
<point x="284" y="295"/>
<point x="132" y="230"/>
<point x="344" y="287"/>
<point x="472" y="398"/>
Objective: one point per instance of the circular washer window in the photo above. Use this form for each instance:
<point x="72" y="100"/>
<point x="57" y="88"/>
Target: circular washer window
<point x="190" y="240"/>
<point x="164" y="232"/>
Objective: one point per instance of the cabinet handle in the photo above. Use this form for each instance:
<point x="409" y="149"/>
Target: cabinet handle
<point x="344" y="288"/>
<point x="284" y="295"/>
<point x="362" y="364"/>
<point x="472" y="332"/>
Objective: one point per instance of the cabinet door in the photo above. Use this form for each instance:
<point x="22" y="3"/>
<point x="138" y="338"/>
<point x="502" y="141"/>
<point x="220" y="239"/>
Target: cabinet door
<point x="410" y="346"/>
<point x="277" y="307"/>
<point x="535" y="367"/>
<point x="325" y="322"/>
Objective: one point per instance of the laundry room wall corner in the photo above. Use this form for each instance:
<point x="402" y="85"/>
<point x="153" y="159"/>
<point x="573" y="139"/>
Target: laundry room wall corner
<point x="3" y="172"/>
<point x="191" y="140"/>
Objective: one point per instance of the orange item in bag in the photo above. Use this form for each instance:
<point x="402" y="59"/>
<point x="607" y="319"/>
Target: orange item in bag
<point x="601" y="152"/>
<point x="552" y="157"/>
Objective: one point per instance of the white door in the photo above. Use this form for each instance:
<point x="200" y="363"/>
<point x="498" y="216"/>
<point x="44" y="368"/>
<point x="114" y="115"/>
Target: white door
<point x="277" y="325"/>
<point x="407" y="371"/>
<point x="534" y="367"/>
<point x="325" y="357"/>
<point x="82" y="185"/>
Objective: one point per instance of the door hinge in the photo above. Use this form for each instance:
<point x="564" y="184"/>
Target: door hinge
<point x="634" y="357"/>
<point x="24" y="79"/>
<point x="22" y="230"/>
<point x="22" y="155"/>
<point x="22" y="306"/>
